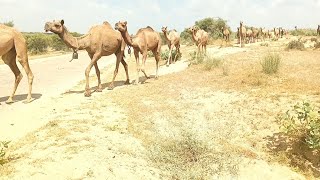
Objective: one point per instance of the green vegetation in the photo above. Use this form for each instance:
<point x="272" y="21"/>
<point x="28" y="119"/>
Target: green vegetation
<point x="9" y="23"/>
<point x="302" y="123"/>
<point x="304" y="32"/>
<point x="270" y="63"/>
<point x="210" y="25"/>
<point x="165" y="55"/>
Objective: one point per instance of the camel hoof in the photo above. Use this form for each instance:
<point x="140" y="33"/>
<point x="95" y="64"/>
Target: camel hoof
<point x="29" y="100"/>
<point x="127" y="82"/>
<point x="87" y="93"/>
<point x="99" y="90"/>
<point x="110" y="87"/>
<point x="9" y="101"/>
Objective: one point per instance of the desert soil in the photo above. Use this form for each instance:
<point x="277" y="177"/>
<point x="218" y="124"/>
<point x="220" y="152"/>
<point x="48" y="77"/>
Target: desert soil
<point x="188" y="124"/>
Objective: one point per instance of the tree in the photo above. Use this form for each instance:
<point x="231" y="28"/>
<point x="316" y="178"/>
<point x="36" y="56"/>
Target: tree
<point x="9" y="23"/>
<point x="212" y="26"/>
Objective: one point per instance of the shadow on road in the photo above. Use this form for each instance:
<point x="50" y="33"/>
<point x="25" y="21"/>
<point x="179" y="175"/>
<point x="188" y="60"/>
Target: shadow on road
<point x="21" y="97"/>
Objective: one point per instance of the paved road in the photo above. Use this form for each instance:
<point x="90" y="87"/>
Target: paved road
<point x="52" y="76"/>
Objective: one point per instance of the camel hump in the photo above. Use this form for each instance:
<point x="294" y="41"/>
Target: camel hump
<point x="107" y="24"/>
<point x="148" y="27"/>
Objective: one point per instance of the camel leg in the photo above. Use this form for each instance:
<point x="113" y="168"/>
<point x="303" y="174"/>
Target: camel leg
<point x="144" y="58"/>
<point x="87" y="72"/>
<point x="169" y="61"/>
<point x="23" y="59"/>
<point x="10" y="58"/>
<point x="157" y="57"/>
<point x="119" y="57"/>
<point x="125" y="65"/>
<point x="136" y="54"/>
<point x="99" y="88"/>
<point x="177" y="52"/>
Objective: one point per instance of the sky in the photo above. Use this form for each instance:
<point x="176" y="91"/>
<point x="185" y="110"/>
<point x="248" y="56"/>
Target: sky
<point x="80" y="15"/>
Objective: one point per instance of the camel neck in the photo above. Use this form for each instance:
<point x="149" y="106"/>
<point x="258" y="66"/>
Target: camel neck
<point x="72" y="42"/>
<point x="194" y="37"/>
<point x="127" y="38"/>
<point x="166" y="36"/>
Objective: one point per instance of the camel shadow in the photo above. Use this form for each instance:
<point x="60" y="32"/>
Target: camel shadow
<point x="21" y="97"/>
<point x="299" y="154"/>
<point x="142" y="80"/>
<point x="94" y="88"/>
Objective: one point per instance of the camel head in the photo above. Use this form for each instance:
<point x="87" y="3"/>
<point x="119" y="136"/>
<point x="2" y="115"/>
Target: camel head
<point x="55" y="27"/>
<point x="241" y="23"/>
<point x="121" y="26"/>
<point x="193" y="29"/>
<point x="164" y="29"/>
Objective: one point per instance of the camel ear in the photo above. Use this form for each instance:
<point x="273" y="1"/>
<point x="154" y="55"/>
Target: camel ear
<point x="125" y="23"/>
<point x="62" y="22"/>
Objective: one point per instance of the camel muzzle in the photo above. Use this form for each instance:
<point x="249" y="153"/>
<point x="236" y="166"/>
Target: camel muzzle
<point x="47" y="27"/>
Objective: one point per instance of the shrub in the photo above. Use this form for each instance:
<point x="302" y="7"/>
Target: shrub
<point x="302" y="123"/>
<point x="317" y="45"/>
<point x="3" y="149"/>
<point x="57" y="44"/>
<point x="264" y="44"/>
<point x="295" y="44"/>
<point x="304" y="32"/>
<point x="196" y="60"/>
<point x="9" y="23"/>
<point x="270" y="63"/>
<point x="211" y="62"/>
<point x="165" y="55"/>
<point x="37" y="43"/>
<point x="314" y="39"/>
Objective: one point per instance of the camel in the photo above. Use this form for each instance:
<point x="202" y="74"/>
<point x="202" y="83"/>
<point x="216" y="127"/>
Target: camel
<point x="255" y="34"/>
<point x="243" y="34"/>
<point x="101" y="40"/>
<point x="276" y="32"/>
<point x="318" y="30"/>
<point x="225" y="33"/>
<point x="200" y="37"/>
<point x="13" y="46"/>
<point x="264" y="33"/>
<point x="173" y="40"/>
<point x="249" y="35"/>
<point x="145" y="40"/>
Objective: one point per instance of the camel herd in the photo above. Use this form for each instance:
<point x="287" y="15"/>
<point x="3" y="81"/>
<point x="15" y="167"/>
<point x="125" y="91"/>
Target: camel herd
<point x="251" y="35"/>
<point x="104" y="40"/>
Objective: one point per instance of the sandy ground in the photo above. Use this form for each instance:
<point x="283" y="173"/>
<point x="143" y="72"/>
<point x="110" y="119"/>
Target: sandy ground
<point x="52" y="76"/>
<point x="125" y="133"/>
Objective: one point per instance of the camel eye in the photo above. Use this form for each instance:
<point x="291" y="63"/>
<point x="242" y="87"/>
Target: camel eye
<point x="57" y="25"/>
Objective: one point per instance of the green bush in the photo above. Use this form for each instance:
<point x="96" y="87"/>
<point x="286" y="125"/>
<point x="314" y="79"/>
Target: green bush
<point x="295" y="44"/>
<point x="304" y="32"/>
<point x="37" y="43"/>
<point x="3" y="149"/>
<point x="302" y="123"/>
<point x="196" y="60"/>
<point x="270" y="63"/>
<point x="8" y="23"/>
<point x="57" y="44"/>
<point x="165" y="55"/>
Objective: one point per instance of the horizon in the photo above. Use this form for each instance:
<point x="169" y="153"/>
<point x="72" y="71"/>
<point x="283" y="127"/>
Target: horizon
<point x="32" y="16"/>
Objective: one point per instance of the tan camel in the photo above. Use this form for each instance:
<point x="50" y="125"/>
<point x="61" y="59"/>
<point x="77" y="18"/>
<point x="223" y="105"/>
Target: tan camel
<point x="200" y="37"/>
<point x="276" y="32"/>
<point x="249" y="35"/>
<point x="264" y="33"/>
<point x="255" y="34"/>
<point x="225" y="33"/>
<point x="145" y="40"/>
<point x="13" y="46"/>
<point x="243" y="34"/>
<point x="101" y="40"/>
<point x="173" y="40"/>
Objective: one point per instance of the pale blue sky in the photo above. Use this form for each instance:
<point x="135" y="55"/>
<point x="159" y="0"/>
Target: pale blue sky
<point x="80" y="15"/>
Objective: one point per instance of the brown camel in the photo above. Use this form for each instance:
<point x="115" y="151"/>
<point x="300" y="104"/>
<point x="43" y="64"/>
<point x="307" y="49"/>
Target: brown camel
<point x="243" y="34"/>
<point x="13" y="46"/>
<point x="145" y="40"/>
<point x="255" y="34"/>
<point x="200" y="37"/>
<point x="249" y="35"/>
<point x="101" y="40"/>
<point x="276" y="32"/>
<point x="173" y="40"/>
<point x="318" y="30"/>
